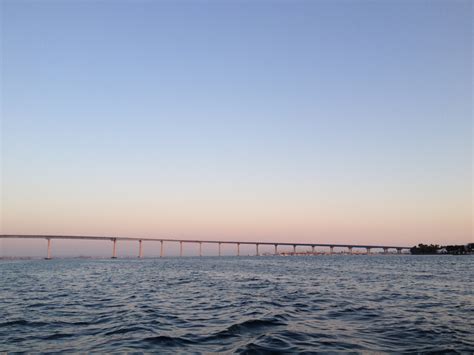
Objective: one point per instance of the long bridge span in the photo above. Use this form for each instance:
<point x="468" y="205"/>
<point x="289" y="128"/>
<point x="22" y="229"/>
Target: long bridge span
<point x="162" y="241"/>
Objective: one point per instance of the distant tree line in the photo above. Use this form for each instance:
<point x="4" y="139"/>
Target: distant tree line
<point x="448" y="249"/>
<point x="425" y="249"/>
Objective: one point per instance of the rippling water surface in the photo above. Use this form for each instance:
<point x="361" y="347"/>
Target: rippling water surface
<point x="232" y="304"/>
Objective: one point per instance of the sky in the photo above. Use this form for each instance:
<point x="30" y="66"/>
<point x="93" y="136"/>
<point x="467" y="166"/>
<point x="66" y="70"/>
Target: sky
<point x="308" y="121"/>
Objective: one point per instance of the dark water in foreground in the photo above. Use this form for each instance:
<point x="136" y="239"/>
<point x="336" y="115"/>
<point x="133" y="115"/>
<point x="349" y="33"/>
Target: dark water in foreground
<point x="246" y="304"/>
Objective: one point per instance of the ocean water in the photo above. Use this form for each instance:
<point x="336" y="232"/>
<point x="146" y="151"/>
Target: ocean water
<point x="239" y="304"/>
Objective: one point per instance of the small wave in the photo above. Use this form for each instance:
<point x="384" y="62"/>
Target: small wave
<point x="124" y="330"/>
<point x="22" y="322"/>
<point x="252" y="348"/>
<point x="57" y="336"/>
<point x="253" y="324"/>
<point x="248" y="326"/>
<point x="165" y="340"/>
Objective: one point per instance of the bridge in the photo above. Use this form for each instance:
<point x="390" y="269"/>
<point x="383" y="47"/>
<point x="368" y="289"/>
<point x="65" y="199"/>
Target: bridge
<point x="162" y="242"/>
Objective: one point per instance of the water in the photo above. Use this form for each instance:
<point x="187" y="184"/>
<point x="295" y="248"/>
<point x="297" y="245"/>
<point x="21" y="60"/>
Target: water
<point x="246" y="304"/>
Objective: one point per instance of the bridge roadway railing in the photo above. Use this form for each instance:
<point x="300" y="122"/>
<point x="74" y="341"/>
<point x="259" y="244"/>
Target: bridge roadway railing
<point x="257" y="244"/>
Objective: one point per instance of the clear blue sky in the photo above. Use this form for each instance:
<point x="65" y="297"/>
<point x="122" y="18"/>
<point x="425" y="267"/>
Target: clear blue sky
<point x="358" y="111"/>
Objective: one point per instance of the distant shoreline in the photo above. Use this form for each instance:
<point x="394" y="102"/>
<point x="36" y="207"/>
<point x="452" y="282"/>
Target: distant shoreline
<point x="33" y="258"/>
<point x="435" y="249"/>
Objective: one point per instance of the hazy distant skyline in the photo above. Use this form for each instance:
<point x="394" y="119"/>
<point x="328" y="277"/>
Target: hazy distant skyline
<point x="309" y="121"/>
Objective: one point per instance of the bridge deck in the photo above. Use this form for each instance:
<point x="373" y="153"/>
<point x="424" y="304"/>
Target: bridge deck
<point x="111" y="238"/>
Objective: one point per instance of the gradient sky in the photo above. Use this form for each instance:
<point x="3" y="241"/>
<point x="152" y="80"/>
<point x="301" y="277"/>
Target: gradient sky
<point x="313" y="121"/>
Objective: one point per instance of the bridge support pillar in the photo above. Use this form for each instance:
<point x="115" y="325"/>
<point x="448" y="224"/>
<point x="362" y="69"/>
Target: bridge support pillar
<point x="161" y="249"/>
<point x="180" y="249"/>
<point x="200" y="248"/>
<point x="276" y="249"/>
<point x="238" y="249"/>
<point x="350" y="250"/>
<point x="331" y="250"/>
<point x="312" y="249"/>
<point x="219" y="249"/>
<point x="140" y="249"/>
<point x="48" y="251"/>
<point x="368" y="251"/>
<point x="385" y="250"/>
<point x="256" y="250"/>
<point x="399" y="250"/>
<point x="114" y="249"/>
<point x="294" y="249"/>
